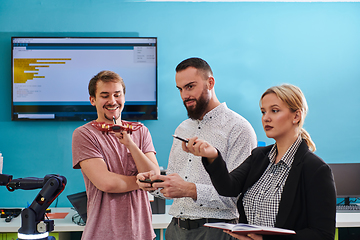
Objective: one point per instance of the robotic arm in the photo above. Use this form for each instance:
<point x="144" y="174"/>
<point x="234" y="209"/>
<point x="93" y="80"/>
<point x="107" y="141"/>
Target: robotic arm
<point x="33" y="223"/>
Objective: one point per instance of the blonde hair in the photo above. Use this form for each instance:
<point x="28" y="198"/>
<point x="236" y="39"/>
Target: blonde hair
<point x="293" y="97"/>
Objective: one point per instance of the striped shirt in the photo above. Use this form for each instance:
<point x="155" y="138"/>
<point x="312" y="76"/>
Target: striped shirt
<point x="261" y="201"/>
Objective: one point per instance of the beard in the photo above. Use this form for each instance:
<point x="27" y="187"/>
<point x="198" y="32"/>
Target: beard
<point x="197" y="111"/>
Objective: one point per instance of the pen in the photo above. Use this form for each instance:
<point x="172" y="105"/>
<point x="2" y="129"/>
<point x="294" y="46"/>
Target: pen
<point x="180" y="138"/>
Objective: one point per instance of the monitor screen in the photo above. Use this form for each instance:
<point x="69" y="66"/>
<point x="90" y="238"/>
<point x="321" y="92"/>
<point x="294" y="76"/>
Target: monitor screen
<point x="79" y="201"/>
<point x="50" y="76"/>
<point x="347" y="179"/>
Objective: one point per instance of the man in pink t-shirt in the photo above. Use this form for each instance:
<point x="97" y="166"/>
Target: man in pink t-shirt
<point x="117" y="208"/>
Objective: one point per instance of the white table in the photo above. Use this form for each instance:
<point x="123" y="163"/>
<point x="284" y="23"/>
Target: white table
<point x="160" y="221"/>
<point x="347" y="219"/>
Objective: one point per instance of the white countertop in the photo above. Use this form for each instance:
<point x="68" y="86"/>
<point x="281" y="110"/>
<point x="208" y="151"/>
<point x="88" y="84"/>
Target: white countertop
<point x="160" y="221"/>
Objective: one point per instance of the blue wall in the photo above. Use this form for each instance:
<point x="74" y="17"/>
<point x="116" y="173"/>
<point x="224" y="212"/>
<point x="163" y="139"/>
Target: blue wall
<point x="250" y="46"/>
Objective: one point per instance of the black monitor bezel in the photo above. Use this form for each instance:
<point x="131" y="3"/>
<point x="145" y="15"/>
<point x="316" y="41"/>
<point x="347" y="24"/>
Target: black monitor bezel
<point x="150" y="113"/>
<point x="346" y="175"/>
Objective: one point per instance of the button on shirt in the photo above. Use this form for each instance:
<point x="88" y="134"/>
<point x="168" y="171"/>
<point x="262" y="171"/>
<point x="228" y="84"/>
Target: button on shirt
<point x="234" y="137"/>
<point x="261" y="201"/>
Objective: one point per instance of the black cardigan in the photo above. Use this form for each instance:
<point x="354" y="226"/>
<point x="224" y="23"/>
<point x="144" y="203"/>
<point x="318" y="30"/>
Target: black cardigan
<point x="308" y="201"/>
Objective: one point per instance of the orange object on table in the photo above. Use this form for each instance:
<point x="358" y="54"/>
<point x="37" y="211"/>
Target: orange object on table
<point x="57" y="215"/>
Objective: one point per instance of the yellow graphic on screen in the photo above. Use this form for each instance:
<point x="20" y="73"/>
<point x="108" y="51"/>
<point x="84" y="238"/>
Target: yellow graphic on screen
<point x="29" y="64"/>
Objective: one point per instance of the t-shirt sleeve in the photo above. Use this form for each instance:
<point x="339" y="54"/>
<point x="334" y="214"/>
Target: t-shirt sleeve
<point x="146" y="143"/>
<point x="84" y="146"/>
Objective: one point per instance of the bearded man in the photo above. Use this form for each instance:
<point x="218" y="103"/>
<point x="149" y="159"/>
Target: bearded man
<point x="195" y="200"/>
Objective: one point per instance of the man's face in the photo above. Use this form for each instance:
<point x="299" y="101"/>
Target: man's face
<point x="109" y="101"/>
<point x="194" y="92"/>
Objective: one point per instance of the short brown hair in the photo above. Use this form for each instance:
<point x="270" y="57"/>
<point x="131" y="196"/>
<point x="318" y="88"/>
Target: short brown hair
<point x="105" y="76"/>
<point x="200" y="64"/>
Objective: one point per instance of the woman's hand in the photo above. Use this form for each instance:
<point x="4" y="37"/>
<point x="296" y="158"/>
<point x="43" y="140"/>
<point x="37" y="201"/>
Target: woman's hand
<point x="250" y="236"/>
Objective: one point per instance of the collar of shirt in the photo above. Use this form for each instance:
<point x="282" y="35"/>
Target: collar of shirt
<point x="288" y="157"/>
<point x="213" y="113"/>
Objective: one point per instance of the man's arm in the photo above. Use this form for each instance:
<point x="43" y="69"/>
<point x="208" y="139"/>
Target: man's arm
<point x="97" y="172"/>
<point x="144" y="162"/>
<point x="175" y="187"/>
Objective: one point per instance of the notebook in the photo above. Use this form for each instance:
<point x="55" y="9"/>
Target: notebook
<point x="79" y="202"/>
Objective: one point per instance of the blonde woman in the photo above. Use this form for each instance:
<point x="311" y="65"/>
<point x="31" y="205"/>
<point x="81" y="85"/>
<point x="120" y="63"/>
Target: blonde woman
<point x="283" y="185"/>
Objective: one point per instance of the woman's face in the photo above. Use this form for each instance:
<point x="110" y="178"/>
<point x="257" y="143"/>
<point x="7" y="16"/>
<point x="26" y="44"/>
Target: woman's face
<point x="278" y="121"/>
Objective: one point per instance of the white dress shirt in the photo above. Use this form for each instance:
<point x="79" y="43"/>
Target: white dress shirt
<point x="234" y="137"/>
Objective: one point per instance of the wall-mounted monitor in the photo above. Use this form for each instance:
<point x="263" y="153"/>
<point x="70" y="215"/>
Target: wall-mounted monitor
<point x="50" y="76"/>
